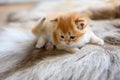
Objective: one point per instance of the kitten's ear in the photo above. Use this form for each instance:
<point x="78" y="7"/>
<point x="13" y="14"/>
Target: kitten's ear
<point x="81" y="24"/>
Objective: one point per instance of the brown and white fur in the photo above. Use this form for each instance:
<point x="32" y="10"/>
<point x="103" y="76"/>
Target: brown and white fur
<point x="67" y="32"/>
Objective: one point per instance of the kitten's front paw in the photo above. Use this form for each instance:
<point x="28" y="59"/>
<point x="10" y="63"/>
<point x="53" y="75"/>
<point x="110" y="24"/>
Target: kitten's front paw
<point x="38" y="46"/>
<point x="100" y="42"/>
<point x="40" y="43"/>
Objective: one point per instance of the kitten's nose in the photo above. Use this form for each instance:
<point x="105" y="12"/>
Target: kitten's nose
<point x="67" y="41"/>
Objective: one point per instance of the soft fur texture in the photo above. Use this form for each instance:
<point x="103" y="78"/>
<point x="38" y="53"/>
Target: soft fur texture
<point x="15" y="39"/>
<point x="68" y="32"/>
<point x="20" y="61"/>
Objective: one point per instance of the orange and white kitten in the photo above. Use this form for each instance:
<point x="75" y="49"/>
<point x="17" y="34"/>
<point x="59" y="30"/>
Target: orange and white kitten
<point x="67" y="32"/>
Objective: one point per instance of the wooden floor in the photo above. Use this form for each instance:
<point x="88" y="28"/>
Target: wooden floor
<point x="5" y="10"/>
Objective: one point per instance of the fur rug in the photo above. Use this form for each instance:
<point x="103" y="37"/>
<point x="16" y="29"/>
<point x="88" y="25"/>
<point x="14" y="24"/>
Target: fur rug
<point x="19" y="60"/>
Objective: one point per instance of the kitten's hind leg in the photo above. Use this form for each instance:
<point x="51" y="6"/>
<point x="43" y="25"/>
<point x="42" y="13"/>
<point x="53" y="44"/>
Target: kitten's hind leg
<point x="96" y="40"/>
<point x="40" y="43"/>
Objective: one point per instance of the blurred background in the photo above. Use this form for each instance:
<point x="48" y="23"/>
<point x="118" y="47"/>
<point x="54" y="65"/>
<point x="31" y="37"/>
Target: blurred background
<point x="25" y="10"/>
<point x="12" y="6"/>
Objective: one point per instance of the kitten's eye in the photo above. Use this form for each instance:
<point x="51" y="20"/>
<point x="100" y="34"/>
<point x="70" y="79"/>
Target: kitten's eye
<point x="72" y="37"/>
<point x="62" y="37"/>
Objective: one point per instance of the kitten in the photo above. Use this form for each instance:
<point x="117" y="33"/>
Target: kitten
<point x="67" y="32"/>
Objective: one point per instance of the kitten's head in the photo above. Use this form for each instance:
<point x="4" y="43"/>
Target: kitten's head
<point x="70" y="29"/>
